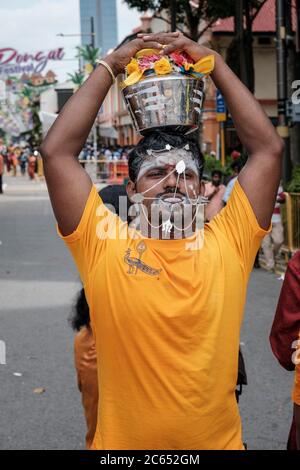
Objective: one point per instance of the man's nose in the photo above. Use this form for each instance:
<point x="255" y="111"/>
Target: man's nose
<point x="171" y="180"/>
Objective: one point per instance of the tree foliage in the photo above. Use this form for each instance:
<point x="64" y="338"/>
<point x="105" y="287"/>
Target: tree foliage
<point x="189" y="14"/>
<point x="77" y="78"/>
<point x="240" y="52"/>
<point x="195" y="16"/>
<point x="89" y="53"/>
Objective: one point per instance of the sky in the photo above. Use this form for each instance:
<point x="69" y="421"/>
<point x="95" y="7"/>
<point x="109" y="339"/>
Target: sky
<point x="32" y="25"/>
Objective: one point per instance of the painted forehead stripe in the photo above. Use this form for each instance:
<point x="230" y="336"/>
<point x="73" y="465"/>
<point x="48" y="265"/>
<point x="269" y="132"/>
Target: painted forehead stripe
<point x="182" y="159"/>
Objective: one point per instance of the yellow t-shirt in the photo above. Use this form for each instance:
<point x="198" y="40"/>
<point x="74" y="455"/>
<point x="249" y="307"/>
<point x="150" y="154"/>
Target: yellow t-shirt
<point x="166" y="322"/>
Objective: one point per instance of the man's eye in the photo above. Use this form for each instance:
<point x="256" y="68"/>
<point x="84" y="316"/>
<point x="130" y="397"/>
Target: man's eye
<point x="186" y="175"/>
<point x="156" y="173"/>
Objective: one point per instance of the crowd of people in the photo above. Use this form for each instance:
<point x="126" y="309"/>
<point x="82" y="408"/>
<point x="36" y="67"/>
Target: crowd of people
<point x="104" y="152"/>
<point x="19" y="159"/>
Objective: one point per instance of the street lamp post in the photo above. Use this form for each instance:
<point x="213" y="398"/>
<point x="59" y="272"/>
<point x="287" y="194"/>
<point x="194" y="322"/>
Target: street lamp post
<point x="92" y="32"/>
<point x="95" y="146"/>
<point x="92" y="35"/>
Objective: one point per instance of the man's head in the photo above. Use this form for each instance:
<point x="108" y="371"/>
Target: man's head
<point x="80" y="316"/>
<point x="236" y="167"/>
<point x="158" y="141"/>
<point x="165" y="171"/>
<point x="216" y="177"/>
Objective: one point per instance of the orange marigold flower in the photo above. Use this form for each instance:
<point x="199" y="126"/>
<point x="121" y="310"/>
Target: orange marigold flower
<point x="162" y="66"/>
<point x="133" y="66"/>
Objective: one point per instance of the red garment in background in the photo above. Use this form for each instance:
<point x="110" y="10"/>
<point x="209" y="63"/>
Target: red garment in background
<point x="286" y="325"/>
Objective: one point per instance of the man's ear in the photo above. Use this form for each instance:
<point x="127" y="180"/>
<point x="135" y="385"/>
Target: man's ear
<point x="131" y="189"/>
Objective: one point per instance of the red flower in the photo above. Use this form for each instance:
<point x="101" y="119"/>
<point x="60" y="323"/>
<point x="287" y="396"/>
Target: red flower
<point x="180" y="58"/>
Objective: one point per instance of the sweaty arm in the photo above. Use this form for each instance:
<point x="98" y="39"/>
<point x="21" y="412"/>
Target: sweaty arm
<point x="261" y="175"/>
<point x="68" y="184"/>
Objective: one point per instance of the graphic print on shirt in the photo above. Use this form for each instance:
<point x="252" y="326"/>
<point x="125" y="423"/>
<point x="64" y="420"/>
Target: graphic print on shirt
<point x="136" y="264"/>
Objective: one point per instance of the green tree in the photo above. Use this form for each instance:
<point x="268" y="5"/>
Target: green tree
<point x="192" y="17"/>
<point x="240" y="52"/>
<point x="77" y="78"/>
<point x="89" y="53"/>
<point x="294" y="184"/>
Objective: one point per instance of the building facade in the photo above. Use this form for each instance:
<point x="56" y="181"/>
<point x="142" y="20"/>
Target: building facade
<point x="114" y="113"/>
<point x="104" y="14"/>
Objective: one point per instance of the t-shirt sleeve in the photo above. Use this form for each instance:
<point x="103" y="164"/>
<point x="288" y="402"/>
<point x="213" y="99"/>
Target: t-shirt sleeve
<point x="87" y="243"/>
<point x="238" y="223"/>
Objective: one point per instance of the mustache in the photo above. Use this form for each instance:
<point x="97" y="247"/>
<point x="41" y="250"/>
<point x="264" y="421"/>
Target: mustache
<point x="171" y="191"/>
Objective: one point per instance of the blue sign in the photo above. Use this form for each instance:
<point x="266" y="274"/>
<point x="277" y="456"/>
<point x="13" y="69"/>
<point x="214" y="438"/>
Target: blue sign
<point x="221" y="106"/>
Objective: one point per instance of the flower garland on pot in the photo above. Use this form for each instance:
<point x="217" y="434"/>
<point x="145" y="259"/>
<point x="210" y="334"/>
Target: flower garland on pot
<point x="149" y="62"/>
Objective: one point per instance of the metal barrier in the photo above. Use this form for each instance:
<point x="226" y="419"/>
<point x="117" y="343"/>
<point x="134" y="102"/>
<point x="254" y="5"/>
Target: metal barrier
<point x="107" y="171"/>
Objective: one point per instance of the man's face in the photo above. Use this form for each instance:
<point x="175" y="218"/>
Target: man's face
<point x="168" y="183"/>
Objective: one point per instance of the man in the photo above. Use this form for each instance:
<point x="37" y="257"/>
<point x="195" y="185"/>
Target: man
<point x="165" y="314"/>
<point x="285" y="338"/>
<point x="214" y="191"/>
<point x="3" y="156"/>
<point x="272" y="242"/>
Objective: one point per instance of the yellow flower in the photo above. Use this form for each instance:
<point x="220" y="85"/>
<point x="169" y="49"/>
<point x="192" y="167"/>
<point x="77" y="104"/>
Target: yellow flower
<point x="162" y="66"/>
<point x="205" y="65"/>
<point x="132" y="67"/>
<point x="146" y="52"/>
<point x="132" y="79"/>
<point x="88" y="68"/>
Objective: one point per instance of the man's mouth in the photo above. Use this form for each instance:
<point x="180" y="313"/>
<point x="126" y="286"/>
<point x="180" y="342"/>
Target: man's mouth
<point x="172" y="199"/>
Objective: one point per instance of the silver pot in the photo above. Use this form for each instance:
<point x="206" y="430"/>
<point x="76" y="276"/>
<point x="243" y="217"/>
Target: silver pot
<point x="171" y="100"/>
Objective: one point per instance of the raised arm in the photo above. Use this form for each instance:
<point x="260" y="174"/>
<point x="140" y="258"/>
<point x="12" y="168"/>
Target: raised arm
<point x="261" y="175"/>
<point x="68" y="183"/>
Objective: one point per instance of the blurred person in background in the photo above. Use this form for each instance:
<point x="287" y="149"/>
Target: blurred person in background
<point x="23" y="160"/>
<point x="13" y="160"/>
<point x="272" y="242"/>
<point x="214" y="191"/>
<point x="85" y="357"/>
<point x="1" y="171"/>
<point x="31" y="166"/>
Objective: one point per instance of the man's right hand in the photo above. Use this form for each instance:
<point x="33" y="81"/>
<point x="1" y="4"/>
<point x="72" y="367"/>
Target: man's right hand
<point x="118" y="59"/>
